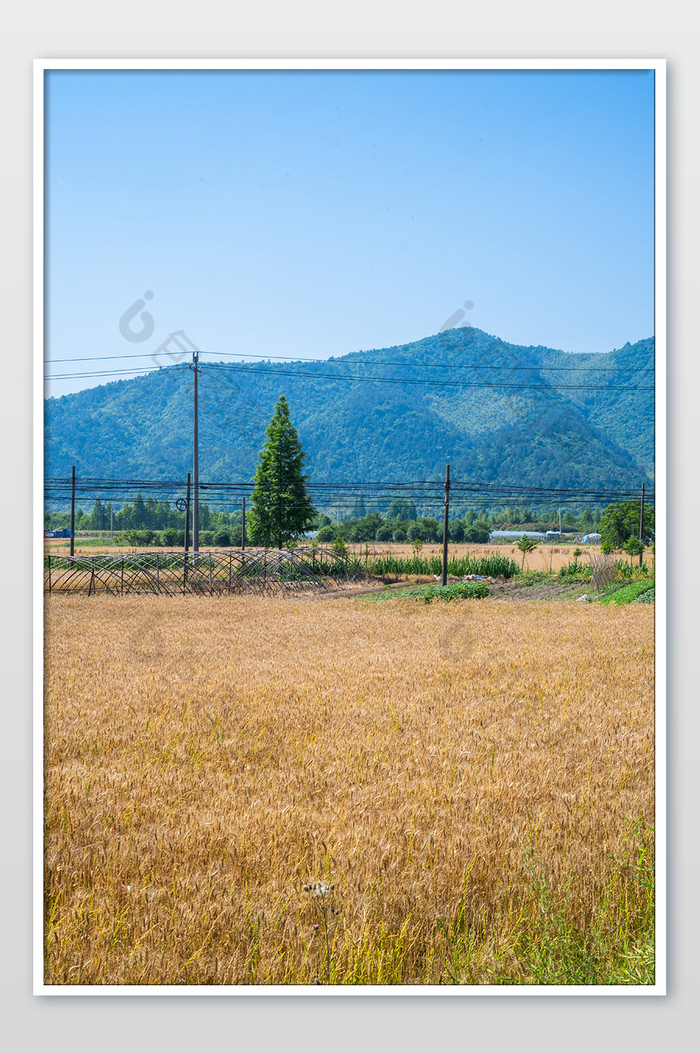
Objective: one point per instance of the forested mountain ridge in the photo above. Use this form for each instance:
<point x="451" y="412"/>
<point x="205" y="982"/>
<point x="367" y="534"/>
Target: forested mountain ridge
<point x="497" y="412"/>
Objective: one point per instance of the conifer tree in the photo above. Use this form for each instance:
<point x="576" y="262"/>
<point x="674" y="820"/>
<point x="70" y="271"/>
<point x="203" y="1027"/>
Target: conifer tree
<point x="281" y="509"/>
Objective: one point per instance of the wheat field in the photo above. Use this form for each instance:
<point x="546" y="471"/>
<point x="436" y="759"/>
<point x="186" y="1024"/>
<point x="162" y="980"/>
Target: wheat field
<point x="469" y="786"/>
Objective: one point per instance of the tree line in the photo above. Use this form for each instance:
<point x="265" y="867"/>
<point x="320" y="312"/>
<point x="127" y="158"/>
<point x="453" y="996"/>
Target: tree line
<point x="402" y="522"/>
<point x="143" y="514"/>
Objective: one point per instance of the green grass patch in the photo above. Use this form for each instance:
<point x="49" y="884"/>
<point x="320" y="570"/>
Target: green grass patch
<point x="546" y="936"/>
<point x="461" y="590"/>
<point x="635" y="592"/>
<point x="536" y="577"/>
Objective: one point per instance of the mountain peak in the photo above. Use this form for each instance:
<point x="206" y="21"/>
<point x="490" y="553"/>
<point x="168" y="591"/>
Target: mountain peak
<point x="492" y="409"/>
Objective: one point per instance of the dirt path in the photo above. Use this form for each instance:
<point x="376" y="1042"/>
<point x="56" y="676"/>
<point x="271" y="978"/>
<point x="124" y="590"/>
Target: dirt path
<point x="498" y="590"/>
<point x="336" y="594"/>
<point x="519" y="590"/>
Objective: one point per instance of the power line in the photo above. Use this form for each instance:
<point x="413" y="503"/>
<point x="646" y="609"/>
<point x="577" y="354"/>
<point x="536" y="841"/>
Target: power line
<point x="343" y="361"/>
<point x="243" y="367"/>
<point x="109" y="373"/>
<point x="347" y="493"/>
<point x="350" y="485"/>
<point x="429" y="365"/>
<point x="422" y="382"/>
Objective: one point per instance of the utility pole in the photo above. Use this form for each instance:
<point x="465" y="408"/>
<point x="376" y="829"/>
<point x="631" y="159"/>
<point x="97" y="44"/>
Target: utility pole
<point x="111" y="523"/>
<point x="72" y="512"/>
<point x="187" y="532"/>
<point x="560" y="522"/>
<point x="444" y="535"/>
<point x="195" y="462"/>
<point x="641" y="526"/>
<point x="187" y="515"/>
<point x="243" y="528"/>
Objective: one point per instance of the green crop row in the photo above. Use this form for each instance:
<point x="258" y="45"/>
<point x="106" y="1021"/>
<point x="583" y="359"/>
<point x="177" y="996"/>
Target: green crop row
<point x="636" y="592"/>
<point x="487" y="567"/>
<point x="460" y="590"/>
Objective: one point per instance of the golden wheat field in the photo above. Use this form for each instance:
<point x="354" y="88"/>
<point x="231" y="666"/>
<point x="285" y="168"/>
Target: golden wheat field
<point x="469" y="785"/>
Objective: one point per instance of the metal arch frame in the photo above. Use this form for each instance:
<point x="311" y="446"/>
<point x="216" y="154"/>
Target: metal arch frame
<point x="215" y="572"/>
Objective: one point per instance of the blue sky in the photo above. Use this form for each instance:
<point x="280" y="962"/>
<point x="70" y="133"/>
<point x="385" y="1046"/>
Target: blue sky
<point x="310" y="214"/>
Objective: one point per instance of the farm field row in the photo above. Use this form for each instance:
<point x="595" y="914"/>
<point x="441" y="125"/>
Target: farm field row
<point x="543" y="558"/>
<point x="474" y="779"/>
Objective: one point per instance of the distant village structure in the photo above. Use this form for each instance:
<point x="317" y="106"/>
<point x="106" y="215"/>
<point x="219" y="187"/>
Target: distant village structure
<point x="551" y="535"/>
<point x="515" y="535"/>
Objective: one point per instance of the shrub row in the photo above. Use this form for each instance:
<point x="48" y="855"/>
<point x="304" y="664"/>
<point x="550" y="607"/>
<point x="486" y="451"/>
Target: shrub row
<point x="487" y="567"/>
<point x="576" y="570"/>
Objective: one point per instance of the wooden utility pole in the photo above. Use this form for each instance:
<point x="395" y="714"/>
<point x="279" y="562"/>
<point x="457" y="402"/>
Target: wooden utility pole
<point x="243" y="528"/>
<point x="641" y="526"/>
<point x="195" y="459"/>
<point x="187" y="529"/>
<point x="447" y="517"/>
<point x="72" y="512"/>
<point x="187" y="515"/>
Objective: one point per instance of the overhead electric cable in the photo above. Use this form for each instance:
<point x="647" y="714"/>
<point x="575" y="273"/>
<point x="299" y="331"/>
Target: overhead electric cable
<point x="343" y="361"/>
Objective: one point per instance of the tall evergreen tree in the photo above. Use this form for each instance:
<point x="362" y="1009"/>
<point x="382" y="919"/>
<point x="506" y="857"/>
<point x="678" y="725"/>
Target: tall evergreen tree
<point x="97" y="519"/>
<point x="281" y="509"/>
<point x="138" y="513"/>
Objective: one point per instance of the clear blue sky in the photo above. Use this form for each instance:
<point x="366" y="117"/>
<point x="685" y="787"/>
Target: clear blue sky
<point x="310" y="214"/>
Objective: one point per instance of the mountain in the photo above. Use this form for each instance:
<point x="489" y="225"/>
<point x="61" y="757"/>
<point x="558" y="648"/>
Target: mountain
<point x="495" y="411"/>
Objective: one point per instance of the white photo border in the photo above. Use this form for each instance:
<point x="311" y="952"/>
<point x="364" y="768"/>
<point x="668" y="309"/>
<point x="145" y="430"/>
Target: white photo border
<point x="658" y="66"/>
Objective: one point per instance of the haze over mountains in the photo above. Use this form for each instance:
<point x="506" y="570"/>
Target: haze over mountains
<point x="495" y="411"/>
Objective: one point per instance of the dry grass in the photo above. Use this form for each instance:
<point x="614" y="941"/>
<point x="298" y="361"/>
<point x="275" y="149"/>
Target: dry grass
<point x="475" y="779"/>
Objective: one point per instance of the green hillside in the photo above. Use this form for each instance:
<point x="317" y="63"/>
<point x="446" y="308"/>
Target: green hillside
<point x="445" y="402"/>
